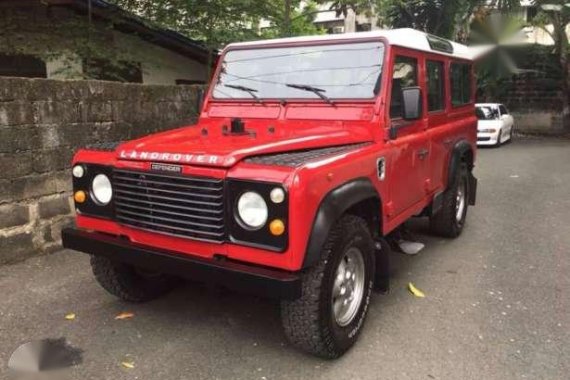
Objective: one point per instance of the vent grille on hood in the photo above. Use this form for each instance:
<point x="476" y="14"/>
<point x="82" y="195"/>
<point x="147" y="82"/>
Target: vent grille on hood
<point x="104" y="146"/>
<point x="299" y="158"/>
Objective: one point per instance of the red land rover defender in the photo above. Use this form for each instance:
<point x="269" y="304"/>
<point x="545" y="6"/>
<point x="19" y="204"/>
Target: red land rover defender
<point x="307" y="154"/>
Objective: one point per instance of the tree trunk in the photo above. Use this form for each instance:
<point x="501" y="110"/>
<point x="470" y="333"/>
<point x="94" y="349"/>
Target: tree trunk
<point x="564" y="57"/>
<point x="287" y="19"/>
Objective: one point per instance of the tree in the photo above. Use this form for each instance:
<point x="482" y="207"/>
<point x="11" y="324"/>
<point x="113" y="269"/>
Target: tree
<point x="216" y="22"/>
<point x="446" y="18"/>
<point x="553" y="18"/>
<point x="343" y="6"/>
<point x="219" y="22"/>
<point x="292" y="18"/>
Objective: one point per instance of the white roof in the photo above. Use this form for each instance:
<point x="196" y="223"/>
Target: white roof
<point x="408" y="38"/>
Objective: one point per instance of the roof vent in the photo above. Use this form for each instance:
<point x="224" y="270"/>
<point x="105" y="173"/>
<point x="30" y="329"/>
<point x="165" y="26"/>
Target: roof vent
<point x="439" y="44"/>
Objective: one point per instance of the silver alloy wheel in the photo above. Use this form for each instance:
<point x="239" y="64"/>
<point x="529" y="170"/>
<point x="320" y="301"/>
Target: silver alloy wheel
<point x="460" y="202"/>
<point x="348" y="288"/>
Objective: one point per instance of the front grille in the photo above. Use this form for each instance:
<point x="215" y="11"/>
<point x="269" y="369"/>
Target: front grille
<point x="190" y="207"/>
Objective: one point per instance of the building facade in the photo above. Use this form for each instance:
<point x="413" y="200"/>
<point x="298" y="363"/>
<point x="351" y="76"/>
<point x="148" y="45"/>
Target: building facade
<point x="82" y="39"/>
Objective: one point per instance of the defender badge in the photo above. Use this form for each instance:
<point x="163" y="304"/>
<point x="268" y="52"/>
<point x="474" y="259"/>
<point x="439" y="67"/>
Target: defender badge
<point x="165" y="168"/>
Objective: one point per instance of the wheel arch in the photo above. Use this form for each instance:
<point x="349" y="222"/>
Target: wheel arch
<point x="358" y="197"/>
<point x="462" y="152"/>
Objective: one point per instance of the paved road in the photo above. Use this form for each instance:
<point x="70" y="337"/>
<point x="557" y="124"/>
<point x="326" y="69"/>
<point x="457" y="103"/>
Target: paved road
<point x="497" y="306"/>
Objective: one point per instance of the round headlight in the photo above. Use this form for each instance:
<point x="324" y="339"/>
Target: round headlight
<point x="101" y="189"/>
<point x="252" y="210"/>
<point x="78" y="171"/>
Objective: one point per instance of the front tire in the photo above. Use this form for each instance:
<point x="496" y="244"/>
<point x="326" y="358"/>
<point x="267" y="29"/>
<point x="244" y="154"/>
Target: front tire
<point x="326" y="321"/>
<point x="450" y="219"/>
<point x="128" y="283"/>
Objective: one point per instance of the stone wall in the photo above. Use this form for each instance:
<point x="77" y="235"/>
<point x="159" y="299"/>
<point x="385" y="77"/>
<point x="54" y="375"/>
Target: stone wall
<point x="42" y="123"/>
<point x="534" y="96"/>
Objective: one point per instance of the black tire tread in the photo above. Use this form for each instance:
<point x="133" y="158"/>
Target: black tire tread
<point x="301" y="317"/>
<point x="123" y="282"/>
<point x="444" y="223"/>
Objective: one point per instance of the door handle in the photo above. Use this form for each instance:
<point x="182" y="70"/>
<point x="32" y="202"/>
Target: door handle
<point x="423" y="153"/>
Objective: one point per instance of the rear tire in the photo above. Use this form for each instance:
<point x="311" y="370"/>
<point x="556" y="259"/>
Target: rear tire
<point x="450" y="219"/>
<point x="326" y="321"/>
<point x="128" y="283"/>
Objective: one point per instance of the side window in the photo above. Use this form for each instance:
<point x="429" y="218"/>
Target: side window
<point x="460" y="84"/>
<point x="503" y="110"/>
<point x="405" y="75"/>
<point x="436" y="88"/>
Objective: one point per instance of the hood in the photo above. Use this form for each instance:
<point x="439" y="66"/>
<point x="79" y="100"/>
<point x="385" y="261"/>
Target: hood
<point x="211" y="144"/>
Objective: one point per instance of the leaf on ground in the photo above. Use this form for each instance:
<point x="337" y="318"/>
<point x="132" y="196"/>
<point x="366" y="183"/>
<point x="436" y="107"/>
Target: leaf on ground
<point x="70" y="317"/>
<point x="124" y="316"/>
<point x="415" y="291"/>
<point x="129" y="365"/>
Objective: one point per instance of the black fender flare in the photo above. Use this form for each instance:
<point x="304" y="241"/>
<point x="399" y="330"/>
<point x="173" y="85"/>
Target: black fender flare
<point x="462" y="149"/>
<point x="332" y="207"/>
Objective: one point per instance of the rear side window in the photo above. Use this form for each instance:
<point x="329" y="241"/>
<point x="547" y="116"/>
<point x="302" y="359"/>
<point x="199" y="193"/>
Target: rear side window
<point x="436" y="92"/>
<point x="460" y="84"/>
<point x="405" y="75"/>
<point x="503" y="110"/>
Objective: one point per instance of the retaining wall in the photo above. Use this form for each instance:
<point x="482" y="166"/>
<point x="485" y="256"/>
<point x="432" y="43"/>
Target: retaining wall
<point x="42" y="123"/>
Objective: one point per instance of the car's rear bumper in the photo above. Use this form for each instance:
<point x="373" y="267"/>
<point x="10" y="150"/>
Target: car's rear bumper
<point x="260" y="281"/>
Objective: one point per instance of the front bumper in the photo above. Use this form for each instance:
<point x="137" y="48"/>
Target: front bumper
<point x="487" y="138"/>
<point x="259" y="281"/>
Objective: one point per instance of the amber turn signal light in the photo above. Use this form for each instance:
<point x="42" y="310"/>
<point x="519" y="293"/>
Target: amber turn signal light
<point x="80" y="196"/>
<point x="277" y="227"/>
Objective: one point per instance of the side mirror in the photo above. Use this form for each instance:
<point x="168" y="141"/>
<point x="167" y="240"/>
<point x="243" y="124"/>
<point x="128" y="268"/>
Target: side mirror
<point x="412" y="103"/>
<point x="200" y="94"/>
<point x="411" y="108"/>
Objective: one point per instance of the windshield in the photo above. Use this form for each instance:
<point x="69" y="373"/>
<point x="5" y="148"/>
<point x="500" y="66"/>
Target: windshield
<point x="340" y="71"/>
<point x="487" y="113"/>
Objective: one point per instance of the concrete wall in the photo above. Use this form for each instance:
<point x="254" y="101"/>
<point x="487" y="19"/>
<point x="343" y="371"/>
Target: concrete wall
<point x="540" y="122"/>
<point x="42" y="123"/>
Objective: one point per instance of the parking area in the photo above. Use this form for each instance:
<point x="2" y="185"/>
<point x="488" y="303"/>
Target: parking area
<point x="496" y="306"/>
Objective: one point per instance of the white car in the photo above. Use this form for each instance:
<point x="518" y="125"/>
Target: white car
<point x="495" y="125"/>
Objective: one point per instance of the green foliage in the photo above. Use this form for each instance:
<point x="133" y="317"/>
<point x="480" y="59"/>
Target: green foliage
<point x="218" y="22"/>
<point x="301" y="18"/>
<point x="445" y="18"/>
<point x="342" y="6"/>
<point x="554" y="18"/>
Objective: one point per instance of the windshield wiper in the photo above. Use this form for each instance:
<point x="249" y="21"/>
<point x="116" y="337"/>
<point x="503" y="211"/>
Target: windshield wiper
<point x="249" y="90"/>
<point x="314" y="90"/>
